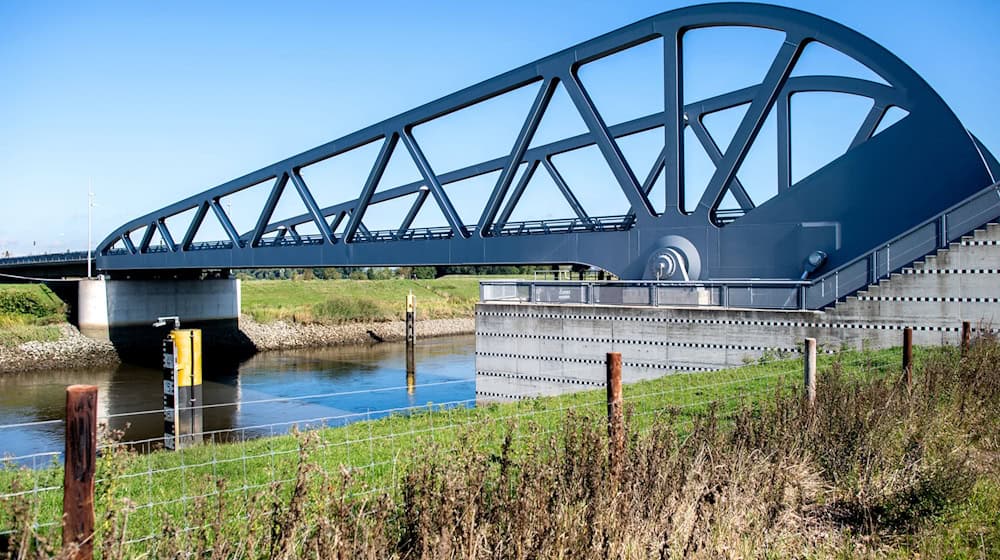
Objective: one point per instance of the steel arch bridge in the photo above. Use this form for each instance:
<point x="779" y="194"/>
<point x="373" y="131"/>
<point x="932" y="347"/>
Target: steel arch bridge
<point x="882" y="186"/>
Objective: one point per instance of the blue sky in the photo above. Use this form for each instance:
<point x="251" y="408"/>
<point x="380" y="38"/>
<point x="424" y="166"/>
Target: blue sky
<point x="157" y="101"/>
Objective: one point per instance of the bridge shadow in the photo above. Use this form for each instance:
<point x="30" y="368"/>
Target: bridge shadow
<point x="224" y="346"/>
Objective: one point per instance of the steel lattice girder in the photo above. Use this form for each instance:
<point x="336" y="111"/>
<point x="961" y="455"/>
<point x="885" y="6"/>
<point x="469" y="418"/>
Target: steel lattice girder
<point x="882" y="186"/>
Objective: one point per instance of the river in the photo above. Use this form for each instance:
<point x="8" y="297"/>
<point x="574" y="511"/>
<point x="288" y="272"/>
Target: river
<point x="267" y="395"/>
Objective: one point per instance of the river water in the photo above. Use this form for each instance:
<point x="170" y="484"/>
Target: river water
<point x="268" y="393"/>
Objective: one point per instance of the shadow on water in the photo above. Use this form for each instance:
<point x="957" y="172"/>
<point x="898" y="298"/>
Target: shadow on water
<point x="264" y="395"/>
<point x="224" y="345"/>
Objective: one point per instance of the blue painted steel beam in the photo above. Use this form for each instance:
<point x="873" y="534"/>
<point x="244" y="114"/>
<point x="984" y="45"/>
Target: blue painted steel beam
<point x="924" y="162"/>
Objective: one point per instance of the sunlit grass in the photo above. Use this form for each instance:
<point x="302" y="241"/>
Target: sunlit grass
<point x="348" y="301"/>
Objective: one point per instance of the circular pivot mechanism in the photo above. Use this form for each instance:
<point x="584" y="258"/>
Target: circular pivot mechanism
<point x="677" y="259"/>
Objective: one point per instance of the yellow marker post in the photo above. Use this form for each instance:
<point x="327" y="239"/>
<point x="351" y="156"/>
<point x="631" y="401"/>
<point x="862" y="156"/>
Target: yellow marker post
<point x="182" y="393"/>
<point x="411" y="337"/>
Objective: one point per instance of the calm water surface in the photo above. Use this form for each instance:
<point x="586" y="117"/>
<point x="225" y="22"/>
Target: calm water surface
<point x="343" y="384"/>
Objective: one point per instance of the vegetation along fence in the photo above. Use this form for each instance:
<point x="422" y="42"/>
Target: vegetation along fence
<point x="453" y="479"/>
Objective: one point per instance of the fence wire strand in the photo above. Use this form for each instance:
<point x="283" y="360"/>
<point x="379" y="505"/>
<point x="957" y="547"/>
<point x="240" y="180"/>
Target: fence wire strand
<point x="375" y="446"/>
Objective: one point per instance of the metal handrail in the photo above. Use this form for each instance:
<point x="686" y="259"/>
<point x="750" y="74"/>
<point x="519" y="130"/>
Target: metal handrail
<point x="873" y="272"/>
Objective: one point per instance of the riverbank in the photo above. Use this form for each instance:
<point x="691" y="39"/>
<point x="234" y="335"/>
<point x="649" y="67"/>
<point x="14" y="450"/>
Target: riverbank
<point x="72" y="350"/>
<point x="719" y="464"/>
<point x="278" y="315"/>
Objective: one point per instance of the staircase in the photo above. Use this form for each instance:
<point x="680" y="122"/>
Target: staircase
<point x="955" y="284"/>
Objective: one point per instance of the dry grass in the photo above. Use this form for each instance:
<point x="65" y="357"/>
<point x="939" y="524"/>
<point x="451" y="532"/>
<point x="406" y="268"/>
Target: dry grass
<point x="874" y="469"/>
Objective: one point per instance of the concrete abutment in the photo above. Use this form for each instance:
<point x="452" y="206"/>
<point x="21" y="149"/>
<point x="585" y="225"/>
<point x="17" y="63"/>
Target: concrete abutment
<point x="123" y="311"/>
<point x="525" y="350"/>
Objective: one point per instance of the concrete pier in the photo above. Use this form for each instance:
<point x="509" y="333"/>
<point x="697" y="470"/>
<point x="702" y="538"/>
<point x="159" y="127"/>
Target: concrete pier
<point x="104" y="305"/>
<point x="123" y="311"/>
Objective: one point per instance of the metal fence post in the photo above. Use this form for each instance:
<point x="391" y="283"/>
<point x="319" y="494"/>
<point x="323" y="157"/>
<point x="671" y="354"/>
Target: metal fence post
<point x="78" y="480"/>
<point x="966" y="336"/>
<point x="616" y="418"/>
<point x="908" y="357"/>
<point x="809" y="366"/>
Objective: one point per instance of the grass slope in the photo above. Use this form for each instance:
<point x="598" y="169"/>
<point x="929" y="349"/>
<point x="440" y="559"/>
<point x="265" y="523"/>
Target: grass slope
<point x="29" y="312"/>
<point x="211" y="495"/>
<point x="346" y="301"/>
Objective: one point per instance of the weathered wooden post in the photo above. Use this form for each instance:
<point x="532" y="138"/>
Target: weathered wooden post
<point x="966" y="337"/>
<point x="616" y="417"/>
<point x="908" y="357"/>
<point x="809" y="365"/>
<point x="78" y="480"/>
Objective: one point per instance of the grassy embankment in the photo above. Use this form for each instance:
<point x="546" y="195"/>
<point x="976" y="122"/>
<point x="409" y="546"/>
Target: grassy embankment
<point x="29" y="312"/>
<point x="874" y="469"/>
<point x="32" y="312"/>
<point x="354" y="301"/>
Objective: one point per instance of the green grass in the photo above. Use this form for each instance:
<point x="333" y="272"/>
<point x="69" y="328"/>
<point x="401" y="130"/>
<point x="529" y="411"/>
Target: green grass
<point x="255" y="481"/>
<point x="349" y="301"/>
<point x="377" y="451"/>
<point x="29" y="312"/>
<point x="966" y="530"/>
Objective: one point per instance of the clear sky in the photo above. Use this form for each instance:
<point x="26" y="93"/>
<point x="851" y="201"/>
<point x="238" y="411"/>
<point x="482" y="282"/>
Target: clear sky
<point x="155" y="101"/>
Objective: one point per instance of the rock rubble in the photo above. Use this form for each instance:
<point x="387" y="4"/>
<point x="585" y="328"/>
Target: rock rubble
<point x="71" y="351"/>
<point x="75" y="351"/>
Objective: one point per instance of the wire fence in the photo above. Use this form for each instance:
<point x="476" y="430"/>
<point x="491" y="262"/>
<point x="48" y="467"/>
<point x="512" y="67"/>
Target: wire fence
<point x="157" y="489"/>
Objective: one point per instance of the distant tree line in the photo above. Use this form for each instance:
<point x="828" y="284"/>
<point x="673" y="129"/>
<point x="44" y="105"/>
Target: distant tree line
<point x="378" y="273"/>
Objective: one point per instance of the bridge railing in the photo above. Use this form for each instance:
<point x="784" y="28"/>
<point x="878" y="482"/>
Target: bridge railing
<point x="736" y="294"/>
<point x="534" y="227"/>
<point x="46" y="258"/>
<point x="878" y="263"/>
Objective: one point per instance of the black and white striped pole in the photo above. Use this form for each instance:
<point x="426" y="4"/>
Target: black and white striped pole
<point x="182" y="392"/>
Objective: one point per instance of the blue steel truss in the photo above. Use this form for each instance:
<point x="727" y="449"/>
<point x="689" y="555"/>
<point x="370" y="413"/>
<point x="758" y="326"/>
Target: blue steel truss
<point x="882" y="186"/>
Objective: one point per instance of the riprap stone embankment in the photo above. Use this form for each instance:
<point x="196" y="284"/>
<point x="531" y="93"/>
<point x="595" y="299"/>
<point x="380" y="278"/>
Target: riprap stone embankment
<point x="75" y="351"/>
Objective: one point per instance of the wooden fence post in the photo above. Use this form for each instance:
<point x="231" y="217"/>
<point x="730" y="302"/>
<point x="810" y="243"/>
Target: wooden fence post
<point x="81" y="462"/>
<point x="809" y="366"/>
<point x="966" y="337"/>
<point x="908" y="357"/>
<point x="616" y="417"/>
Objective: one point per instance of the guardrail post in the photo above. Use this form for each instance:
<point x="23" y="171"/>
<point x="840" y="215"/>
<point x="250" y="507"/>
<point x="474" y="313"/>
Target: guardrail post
<point x="616" y="418"/>
<point x="966" y="337"/>
<point x="809" y="367"/>
<point x="78" y="479"/>
<point x="908" y="357"/>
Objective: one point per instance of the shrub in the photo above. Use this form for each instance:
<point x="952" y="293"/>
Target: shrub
<point x="38" y="303"/>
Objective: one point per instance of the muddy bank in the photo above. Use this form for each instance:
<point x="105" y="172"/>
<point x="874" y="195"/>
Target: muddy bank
<point x="75" y="351"/>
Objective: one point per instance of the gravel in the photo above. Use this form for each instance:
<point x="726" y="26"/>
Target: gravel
<point x="71" y="351"/>
<point x="283" y="336"/>
<point x="75" y="351"/>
